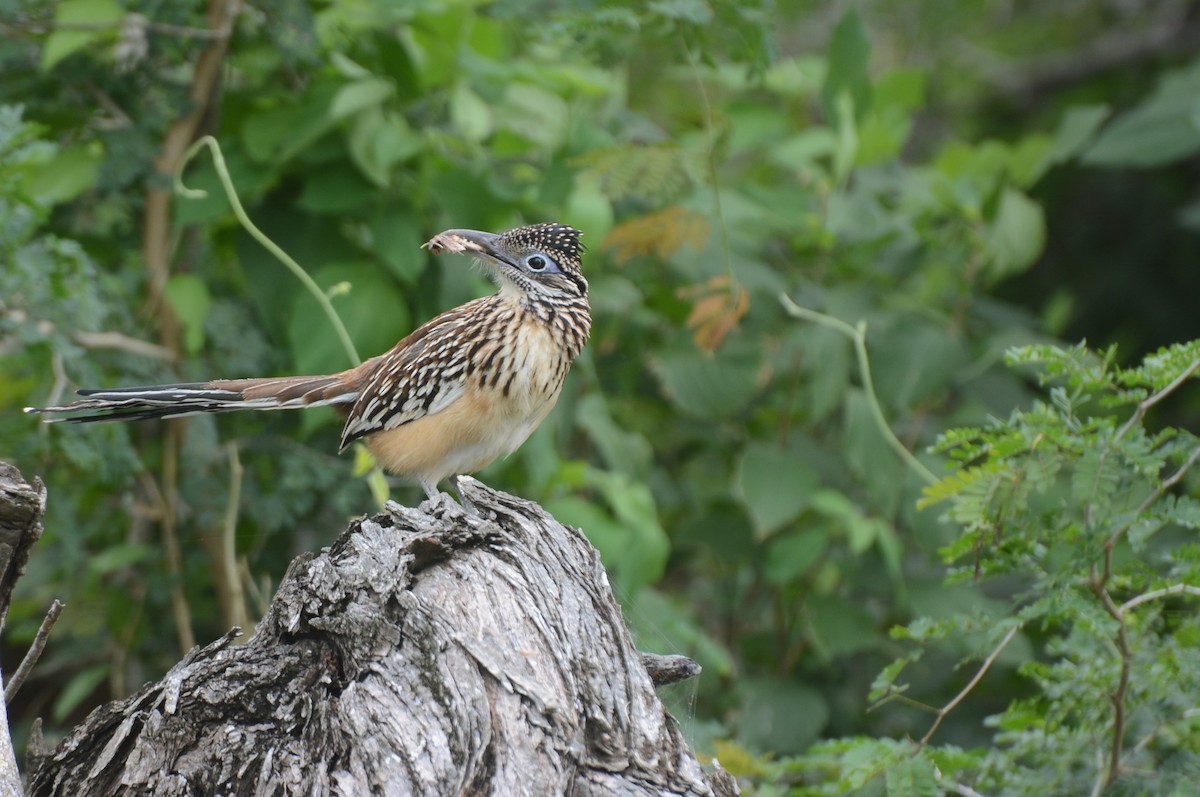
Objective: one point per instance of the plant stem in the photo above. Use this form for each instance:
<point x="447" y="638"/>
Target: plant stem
<point x="244" y="219"/>
<point x="966" y="690"/>
<point x="858" y="334"/>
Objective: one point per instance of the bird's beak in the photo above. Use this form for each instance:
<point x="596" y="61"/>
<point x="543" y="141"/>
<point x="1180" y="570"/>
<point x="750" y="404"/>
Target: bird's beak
<point x="485" y="245"/>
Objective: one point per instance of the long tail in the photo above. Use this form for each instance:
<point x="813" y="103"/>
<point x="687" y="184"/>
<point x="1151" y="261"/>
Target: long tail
<point x="195" y="398"/>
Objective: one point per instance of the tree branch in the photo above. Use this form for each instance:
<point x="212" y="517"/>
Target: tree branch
<point x="966" y="690"/>
<point x="34" y="653"/>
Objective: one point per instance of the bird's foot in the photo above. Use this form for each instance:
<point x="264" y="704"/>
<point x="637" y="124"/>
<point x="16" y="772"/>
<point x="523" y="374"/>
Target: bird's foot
<point x="467" y="504"/>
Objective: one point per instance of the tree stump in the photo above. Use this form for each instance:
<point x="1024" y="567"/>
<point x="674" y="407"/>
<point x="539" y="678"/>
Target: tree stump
<point x="426" y="652"/>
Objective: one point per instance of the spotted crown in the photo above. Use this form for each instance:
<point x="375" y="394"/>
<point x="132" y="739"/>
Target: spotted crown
<point x="547" y="235"/>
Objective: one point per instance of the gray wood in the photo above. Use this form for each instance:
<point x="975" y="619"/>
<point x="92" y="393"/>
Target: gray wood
<point x="425" y="652"/>
<point x="21" y="508"/>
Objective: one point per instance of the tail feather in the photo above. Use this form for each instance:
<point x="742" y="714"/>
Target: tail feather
<point x="196" y="398"/>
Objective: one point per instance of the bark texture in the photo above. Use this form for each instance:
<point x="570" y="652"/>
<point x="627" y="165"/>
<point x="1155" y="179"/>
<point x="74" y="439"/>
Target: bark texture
<point x="425" y="652"/>
<point x="21" y="508"/>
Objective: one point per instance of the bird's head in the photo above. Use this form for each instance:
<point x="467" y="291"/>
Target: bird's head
<point x="541" y="260"/>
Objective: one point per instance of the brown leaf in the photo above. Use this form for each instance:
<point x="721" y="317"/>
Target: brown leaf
<point x="718" y="307"/>
<point x="661" y="233"/>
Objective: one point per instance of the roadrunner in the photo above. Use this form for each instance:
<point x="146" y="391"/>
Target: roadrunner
<point x="460" y="391"/>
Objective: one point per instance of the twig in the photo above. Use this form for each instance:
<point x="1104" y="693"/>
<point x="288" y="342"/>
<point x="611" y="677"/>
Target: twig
<point x="1149" y="737"/>
<point x="1118" y="696"/>
<point x="858" y="334"/>
<point x="34" y="653"/>
<point x="711" y="166"/>
<point x="232" y="580"/>
<point x="1098" y="783"/>
<point x="896" y="695"/>
<point x="260" y="595"/>
<point x="179" y="604"/>
<point x="987" y="664"/>
<point x="1170" y="482"/>
<point x="121" y="342"/>
<point x="669" y="669"/>
<point x="60" y="379"/>
<point x="1135" y="418"/>
<point x="1174" y="589"/>
<point x="1099" y="586"/>
<point x="1147" y="403"/>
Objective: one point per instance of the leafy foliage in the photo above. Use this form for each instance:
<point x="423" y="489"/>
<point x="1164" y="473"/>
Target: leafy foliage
<point x="742" y="467"/>
<point x="1073" y="500"/>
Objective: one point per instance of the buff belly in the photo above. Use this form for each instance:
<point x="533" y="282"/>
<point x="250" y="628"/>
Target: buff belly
<point x="482" y="424"/>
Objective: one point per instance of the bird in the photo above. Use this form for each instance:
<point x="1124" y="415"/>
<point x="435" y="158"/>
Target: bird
<point x="463" y="389"/>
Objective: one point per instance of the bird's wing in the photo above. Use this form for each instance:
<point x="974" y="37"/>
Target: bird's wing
<point x="421" y="375"/>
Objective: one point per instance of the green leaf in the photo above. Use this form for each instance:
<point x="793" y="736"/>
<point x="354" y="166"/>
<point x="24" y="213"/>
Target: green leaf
<point x="644" y="558"/>
<point x="804" y="148"/>
<point x="333" y="190"/>
<point x="588" y="208"/>
<point x="696" y="12"/>
<point x="913" y="776"/>
<point x="791" y="555"/>
<point x="885" y="682"/>
<point x="602" y="529"/>
<point x="396" y="240"/>
<point x="279" y="133"/>
<point x="534" y="114"/>
<point x="774" y="485"/>
<point x="624" y="451"/>
<point x="779" y="715"/>
<point x="436" y="36"/>
<point x="469" y="114"/>
<point x="374" y="311"/>
<point x="100" y="17"/>
<point x="1161" y="130"/>
<point x="1076" y="131"/>
<point x="190" y="299"/>
<point x="67" y="175"/>
<point x="81" y="685"/>
<point x="886" y="128"/>
<point x="360" y="95"/>
<point x="849" y="56"/>
<point x="827" y="364"/>
<point x="841" y="627"/>
<point x="379" y="141"/>
<point x="708" y="386"/>
<point x="1017" y="235"/>
<point x="869" y="455"/>
<point x="913" y="362"/>
<point x="860" y="530"/>
<point x="117" y="557"/>
<point x="631" y="540"/>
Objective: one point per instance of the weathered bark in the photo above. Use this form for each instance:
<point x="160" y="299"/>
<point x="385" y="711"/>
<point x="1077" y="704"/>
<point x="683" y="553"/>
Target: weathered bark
<point x="21" y="508"/>
<point x="425" y="652"/>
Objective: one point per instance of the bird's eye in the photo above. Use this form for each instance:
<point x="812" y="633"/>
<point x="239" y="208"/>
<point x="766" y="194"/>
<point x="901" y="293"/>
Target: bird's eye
<point x="540" y="263"/>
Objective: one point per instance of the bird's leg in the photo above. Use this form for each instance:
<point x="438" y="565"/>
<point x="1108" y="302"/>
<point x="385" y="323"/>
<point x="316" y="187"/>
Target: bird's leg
<point x="431" y="490"/>
<point x="462" y="497"/>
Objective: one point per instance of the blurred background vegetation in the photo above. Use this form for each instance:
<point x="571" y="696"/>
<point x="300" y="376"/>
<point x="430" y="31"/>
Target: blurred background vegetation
<point x="963" y="177"/>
